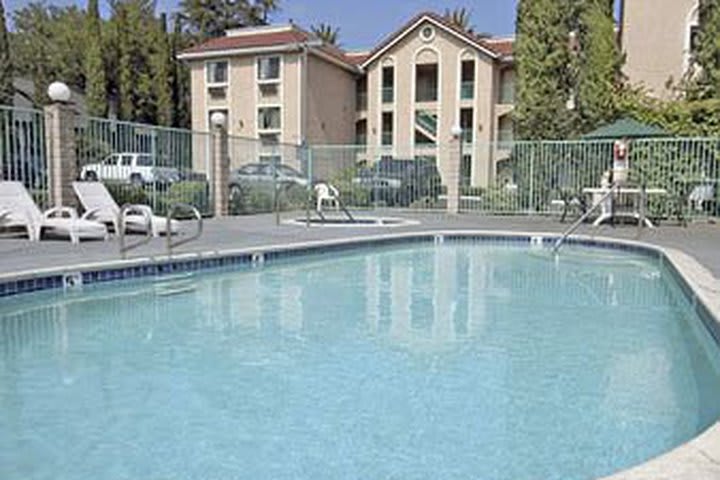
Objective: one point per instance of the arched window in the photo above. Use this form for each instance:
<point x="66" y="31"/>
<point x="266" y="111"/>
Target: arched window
<point x="692" y="35"/>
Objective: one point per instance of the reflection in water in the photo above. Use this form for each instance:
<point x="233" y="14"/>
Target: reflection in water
<point x="376" y="362"/>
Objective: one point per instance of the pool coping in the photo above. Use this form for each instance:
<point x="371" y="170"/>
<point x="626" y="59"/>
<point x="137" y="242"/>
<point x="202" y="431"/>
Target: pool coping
<point x="697" y="459"/>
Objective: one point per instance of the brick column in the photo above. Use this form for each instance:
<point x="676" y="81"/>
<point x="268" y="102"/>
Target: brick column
<point x="452" y="175"/>
<point x="220" y="170"/>
<point x="61" y="155"/>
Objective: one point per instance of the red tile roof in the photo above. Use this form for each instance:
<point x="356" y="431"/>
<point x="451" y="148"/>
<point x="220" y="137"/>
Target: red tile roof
<point x="251" y="40"/>
<point x="502" y="46"/>
<point x="294" y="35"/>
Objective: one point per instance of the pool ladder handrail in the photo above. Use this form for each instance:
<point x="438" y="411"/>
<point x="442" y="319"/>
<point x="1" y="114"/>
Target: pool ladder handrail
<point x="174" y="209"/>
<point x="560" y="241"/>
<point x="147" y="216"/>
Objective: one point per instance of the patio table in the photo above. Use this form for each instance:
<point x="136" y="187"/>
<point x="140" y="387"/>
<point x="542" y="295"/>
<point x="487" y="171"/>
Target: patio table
<point x="637" y="211"/>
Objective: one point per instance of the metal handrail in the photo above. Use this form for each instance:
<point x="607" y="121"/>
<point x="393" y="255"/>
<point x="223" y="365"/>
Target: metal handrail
<point x="175" y="208"/>
<point x="560" y="241"/>
<point x="143" y="210"/>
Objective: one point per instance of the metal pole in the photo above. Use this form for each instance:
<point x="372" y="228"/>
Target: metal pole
<point x="308" y="153"/>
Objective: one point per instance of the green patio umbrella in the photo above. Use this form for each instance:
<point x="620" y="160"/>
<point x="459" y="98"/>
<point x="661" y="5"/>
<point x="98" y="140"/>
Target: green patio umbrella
<point x="625" y="128"/>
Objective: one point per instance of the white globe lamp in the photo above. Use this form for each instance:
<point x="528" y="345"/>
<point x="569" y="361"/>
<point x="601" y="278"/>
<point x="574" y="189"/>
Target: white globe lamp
<point x="218" y="119"/>
<point x="59" y="92"/>
<point x="456" y="131"/>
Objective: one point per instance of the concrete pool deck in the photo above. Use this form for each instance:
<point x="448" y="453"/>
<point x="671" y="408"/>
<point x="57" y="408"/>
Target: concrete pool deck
<point x="699" y="240"/>
<point x="694" y="251"/>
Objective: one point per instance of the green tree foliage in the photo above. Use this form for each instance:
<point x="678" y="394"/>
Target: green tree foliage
<point x="327" y="33"/>
<point x="161" y="61"/>
<point x="460" y="17"/>
<point x="7" y="90"/>
<point x="95" y="79"/>
<point x="598" y="64"/>
<point x="543" y="60"/>
<point x="48" y="46"/>
<point x="705" y="83"/>
<point x="180" y="76"/>
<point x="211" y="18"/>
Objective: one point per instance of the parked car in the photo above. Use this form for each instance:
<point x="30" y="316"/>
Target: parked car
<point x="264" y="175"/>
<point x="400" y="181"/>
<point x="135" y="168"/>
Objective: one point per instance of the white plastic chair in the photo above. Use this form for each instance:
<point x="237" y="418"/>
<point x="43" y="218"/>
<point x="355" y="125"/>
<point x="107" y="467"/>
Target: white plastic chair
<point x="327" y="194"/>
<point x="101" y="206"/>
<point x="700" y="195"/>
<point x="18" y="209"/>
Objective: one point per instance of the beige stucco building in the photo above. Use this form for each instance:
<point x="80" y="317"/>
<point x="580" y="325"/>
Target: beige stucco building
<point x="280" y="84"/>
<point x="658" y="38"/>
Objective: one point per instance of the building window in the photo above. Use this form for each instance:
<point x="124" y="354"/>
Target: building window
<point x="217" y="73"/>
<point x="467" y="85"/>
<point x="507" y="87"/>
<point x="387" y="128"/>
<point x="361" y="133"/>
<point x="694" y="41"/>
<point x="426" y="83"/>
<point x="388" y="84"/>
<point x="466" y="170"/>
<point x="466" y="123"/>
<point x="269" y="118"/>
<point x="268" y="69"/>
<point x="427" y="33"/>
<point x="361" y="94"/>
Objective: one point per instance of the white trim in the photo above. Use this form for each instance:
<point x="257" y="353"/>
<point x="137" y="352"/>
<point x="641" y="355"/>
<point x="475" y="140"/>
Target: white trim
<point x="691" y="20"/>
<point x="268" y="81"/>
<point x="238" y="51"/>
<point x="438" y="101"/>
<point x="269" y="131"/>
<point x="382" y="104"/>
<point x="426" y="18"/>
<point x="206" y="96"/>
<point x="301" y="80"/>
<point x="245" y="31"/>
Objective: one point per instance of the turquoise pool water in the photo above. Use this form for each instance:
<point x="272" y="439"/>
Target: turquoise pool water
<point x="456" y="361"/>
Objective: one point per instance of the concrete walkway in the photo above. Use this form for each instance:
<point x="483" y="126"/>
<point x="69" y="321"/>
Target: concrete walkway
<point x="700" y="240"/>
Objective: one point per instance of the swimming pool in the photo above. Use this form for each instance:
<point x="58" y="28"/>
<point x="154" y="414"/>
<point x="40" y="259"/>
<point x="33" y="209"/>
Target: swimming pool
<point x="458" y="360"/>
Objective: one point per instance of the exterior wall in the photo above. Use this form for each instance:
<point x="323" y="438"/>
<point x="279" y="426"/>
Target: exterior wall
<point x="656" y="41"/>
<point x="330" y="104"/>
<point x="449" y="52"/>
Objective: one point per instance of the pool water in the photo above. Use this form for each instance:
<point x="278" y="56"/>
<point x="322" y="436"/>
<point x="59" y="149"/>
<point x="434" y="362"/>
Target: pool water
<point x="455" y="361"/>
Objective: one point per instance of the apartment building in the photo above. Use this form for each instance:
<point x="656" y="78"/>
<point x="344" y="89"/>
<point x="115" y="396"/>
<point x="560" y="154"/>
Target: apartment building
<point x="402" y="99"/>
<point x="658" y="37"/>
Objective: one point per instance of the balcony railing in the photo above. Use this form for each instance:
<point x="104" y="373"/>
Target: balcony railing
<point x="362" y="101"/>
<point x="427" y="121"/>
<point x="361" y="139"/>
<point x="426" y="93"/>
<point x="388" y="95"/>
<point x="467" y="90"/>
<point x="507" y="94"/>
<point x="467" y="135"/>
<point x="387" y="138"/>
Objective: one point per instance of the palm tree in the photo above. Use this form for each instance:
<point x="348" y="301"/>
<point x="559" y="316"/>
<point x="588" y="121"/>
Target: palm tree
<point x="459" y="17"/>
<point x="326" y="33"/>
<point x="260" y="10"/>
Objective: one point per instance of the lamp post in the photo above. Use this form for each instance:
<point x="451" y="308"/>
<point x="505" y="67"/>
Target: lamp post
<point x="454" y="172"/>
<point x="220" y="167"/>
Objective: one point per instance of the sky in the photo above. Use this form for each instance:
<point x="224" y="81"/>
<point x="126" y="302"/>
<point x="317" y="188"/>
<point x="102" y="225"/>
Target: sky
<point x="362" y="23"/>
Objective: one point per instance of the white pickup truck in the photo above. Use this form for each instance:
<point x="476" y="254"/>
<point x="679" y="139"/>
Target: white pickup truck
<point x="135" y="168"/>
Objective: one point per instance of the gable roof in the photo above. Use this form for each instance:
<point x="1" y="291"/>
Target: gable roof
<point x="442" y="23"/>
<point x="251" y="40"/>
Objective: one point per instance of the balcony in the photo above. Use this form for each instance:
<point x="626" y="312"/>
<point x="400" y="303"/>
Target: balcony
<point x="388" y="95"/>
<point x="387" y="138"/>
<point x="507" y="94"/>
<point x="426" y="93"/>
<point x="362" y="101"/>
<point x="467" y="135"/>
<point x="467" y="90"/>
<point x="427" y="123"/>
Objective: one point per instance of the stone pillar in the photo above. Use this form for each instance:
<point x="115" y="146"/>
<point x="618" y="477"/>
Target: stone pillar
<point x="220" y="169"/>
<point x="61" y="155"/>
<point x="452" y="174"/>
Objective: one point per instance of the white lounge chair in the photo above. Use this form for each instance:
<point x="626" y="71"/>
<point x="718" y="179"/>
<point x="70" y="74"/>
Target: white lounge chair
<point x="101" y="206"/>
<point x="327" y="194"/>
<point x="18" y="209"/>
<point x="701" y="195"/>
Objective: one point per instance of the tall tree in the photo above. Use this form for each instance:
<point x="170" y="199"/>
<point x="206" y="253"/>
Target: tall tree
<point x="598" y="64"/>
<point x="95" y="79"/>
<point x="460" y="17"/>
<point x="706" y="83"/>
<point x="180" y="76"/>
<point x="211" y="18"/>
<point x="161" y="69"/>
<point x="542" y="56"/>
<point x="327" y="33"/>
<point x="7" y="91"/>
<point x="48" y="45"/>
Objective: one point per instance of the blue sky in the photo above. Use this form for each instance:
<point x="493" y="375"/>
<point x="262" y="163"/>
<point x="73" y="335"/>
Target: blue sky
<point x="363" y="24"/>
